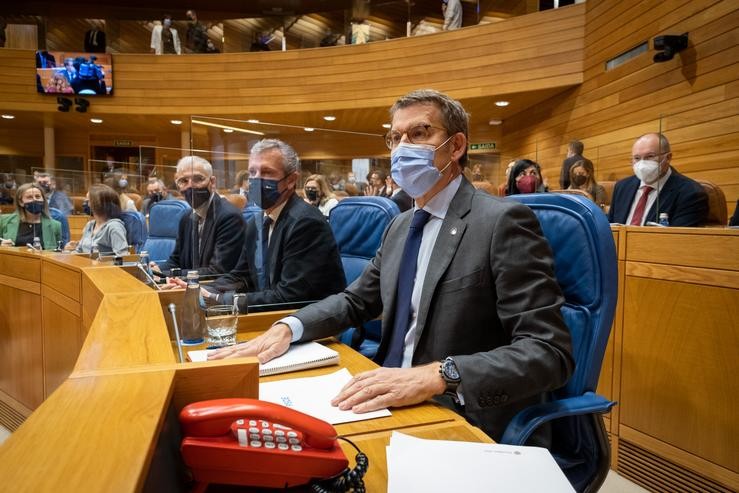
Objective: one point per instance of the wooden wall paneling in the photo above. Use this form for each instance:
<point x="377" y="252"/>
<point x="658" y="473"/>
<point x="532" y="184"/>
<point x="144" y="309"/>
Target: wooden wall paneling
<point x="21" y="350"/>
<point x="679" y="347"/>
<point x="62" y="341"/>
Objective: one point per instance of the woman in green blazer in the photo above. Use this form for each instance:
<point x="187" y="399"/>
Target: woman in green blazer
<point x="30" y="219"/>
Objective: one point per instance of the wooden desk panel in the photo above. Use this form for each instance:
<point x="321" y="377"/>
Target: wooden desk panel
<point x="20" y="263"/>
<point x="62" y="340"/>
<point x="709" y="248"/>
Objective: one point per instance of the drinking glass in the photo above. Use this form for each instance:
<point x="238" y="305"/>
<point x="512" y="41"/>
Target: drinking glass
<point x="221" y="321"/>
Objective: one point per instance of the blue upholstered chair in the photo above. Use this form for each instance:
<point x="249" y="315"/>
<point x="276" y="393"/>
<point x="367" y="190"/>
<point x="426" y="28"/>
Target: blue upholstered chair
<point x="164" y="221"/>
<point x="59" y="216"/>
<point x="358" y="224"/>
<point x="586" y="269"/>
<point x="135" y="223"/>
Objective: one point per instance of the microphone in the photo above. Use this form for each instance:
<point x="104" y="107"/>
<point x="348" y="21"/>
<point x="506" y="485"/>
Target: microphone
<point x="29" y="245"/>
<point x="173" y="309"/>
<point x="148" y="277"/>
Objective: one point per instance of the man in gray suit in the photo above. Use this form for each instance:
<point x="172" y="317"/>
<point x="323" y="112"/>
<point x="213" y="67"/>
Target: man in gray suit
<point x="480" y="329"/>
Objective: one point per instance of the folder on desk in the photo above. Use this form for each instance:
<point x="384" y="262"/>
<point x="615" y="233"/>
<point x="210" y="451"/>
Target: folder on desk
<point x="298" y="357"/>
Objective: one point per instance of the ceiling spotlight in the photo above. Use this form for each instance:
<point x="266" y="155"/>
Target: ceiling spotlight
<point x="309" y="129"/>
<point x="96" y="120"/>
<point x="329" y="118"/>
<point x="8" y="117"/>
<point x="386" y="125"/>
<point x="252" y="121"/>
<point x="502" y="103"/>
<point x="495" y="122"/>
<point x="228" y="130"/>
<point x="176" y="122"/>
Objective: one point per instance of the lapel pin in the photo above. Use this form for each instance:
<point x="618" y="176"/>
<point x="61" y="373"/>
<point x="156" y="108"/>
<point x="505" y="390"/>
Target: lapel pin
<point x="453" y="231"/>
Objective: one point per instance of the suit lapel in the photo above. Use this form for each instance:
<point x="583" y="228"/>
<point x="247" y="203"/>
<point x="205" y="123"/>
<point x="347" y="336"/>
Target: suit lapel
<point x="276" y="239"/>
<point x="663" y="199"/>
<point x="451" y="233"/>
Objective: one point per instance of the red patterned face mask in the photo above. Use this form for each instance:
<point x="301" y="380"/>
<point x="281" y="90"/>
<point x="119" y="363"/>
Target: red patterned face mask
<point x="527" y="184"/>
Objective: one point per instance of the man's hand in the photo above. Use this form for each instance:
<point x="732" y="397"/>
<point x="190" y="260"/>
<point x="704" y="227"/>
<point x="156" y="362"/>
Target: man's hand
<point x="174" y="283"/>
<point x="370" y="190"/>
<point x="6" y="242"/>
<point x="390" y="387"/>
<point x="273" y="343"/>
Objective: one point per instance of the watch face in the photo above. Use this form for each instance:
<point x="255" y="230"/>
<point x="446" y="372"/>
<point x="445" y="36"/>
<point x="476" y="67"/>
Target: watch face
<point x="450" y="370"/>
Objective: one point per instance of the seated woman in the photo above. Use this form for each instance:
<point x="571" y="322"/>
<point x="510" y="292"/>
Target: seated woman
<point x="318" y="193"/>
<point x="58" y="84"/>
<point x="119" y="183"/>
<point x="524" y="177"/>
<point x="31" y="219"/>
<point x="105" y="231"/>
<point x="582" y="177"/>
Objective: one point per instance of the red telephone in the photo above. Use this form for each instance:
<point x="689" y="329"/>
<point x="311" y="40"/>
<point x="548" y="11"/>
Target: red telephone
<point x="255" y="443"/>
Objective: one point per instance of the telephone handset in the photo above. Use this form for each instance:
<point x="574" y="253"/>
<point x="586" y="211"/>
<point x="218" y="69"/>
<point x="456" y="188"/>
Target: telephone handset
<point x="256" y="443"/>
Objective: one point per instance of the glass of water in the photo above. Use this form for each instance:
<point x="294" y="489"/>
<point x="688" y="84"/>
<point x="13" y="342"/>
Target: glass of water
<point x="221" y="321"/>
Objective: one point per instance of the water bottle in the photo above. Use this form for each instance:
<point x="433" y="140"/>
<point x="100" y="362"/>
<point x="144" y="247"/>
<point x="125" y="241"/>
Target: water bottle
<point x="193" y="318"/>
<point x="37" y="244"/>
<point x="664" y="219"/>
<point x="240" y="305"/>
<point x="144" y="259"/>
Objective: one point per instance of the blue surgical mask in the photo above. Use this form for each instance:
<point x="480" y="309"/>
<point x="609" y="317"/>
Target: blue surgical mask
<point x="264" y="192"/>
<point x="412" y="167"/>
<point x="123" y="183"/>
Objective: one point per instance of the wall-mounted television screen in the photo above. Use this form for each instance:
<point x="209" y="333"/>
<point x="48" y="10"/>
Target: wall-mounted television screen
<point x="71" y="72"/>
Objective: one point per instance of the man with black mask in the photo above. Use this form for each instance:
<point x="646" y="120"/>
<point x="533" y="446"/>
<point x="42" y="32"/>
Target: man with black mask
<point x="290" y="253"/>
<point x="156" y="191"/>
<point x="210" y="238"/>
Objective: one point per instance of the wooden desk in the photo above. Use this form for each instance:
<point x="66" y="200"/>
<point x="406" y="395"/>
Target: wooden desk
<point x="100" y="388"/>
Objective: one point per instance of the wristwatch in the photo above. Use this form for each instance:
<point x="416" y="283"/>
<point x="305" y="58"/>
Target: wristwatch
<point x="450" y="374"/>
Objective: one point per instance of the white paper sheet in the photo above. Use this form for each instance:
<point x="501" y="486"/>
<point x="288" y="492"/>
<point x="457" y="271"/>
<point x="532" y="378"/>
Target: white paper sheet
<point x="415" y="464"/>
<point x="312" y="395"/>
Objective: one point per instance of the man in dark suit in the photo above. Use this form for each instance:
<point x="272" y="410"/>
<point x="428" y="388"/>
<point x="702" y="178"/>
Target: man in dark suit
<point x="480" y="329"/>
<point x="301" y="261"/>
<point x="657" y="188"/>
<point x="209" y="239"/>
<point x="574" y="154"/>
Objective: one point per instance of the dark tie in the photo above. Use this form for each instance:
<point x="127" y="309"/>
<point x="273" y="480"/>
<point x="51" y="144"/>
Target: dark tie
<point x="264" y="274"/>
<point x="195" y="241"/>
<point x="406" y="278"/>
<point x="640" y="206"/>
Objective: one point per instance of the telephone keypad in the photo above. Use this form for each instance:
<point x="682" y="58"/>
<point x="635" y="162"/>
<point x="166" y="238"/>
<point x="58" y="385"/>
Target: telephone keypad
<point x="268" y="435"/>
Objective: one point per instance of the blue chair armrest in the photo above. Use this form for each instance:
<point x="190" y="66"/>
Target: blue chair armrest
<point x="529" y="419"/>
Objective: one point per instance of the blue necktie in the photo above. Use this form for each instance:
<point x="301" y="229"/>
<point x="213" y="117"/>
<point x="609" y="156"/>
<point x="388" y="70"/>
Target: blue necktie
<point x="264" y="274"/>
<point x="406" y="278"/>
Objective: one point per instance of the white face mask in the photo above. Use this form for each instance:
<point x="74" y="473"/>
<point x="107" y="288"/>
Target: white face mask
<point x="647" y="170"/>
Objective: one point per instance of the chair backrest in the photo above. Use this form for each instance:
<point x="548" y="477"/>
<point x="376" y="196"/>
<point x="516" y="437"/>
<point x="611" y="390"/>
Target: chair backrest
<point x="164" y="221"/>
<point x="135" y="223"/>
<point x="358" y="224"/>
<point x="608" y="187"/>
<point x="717" y="213"/>
<point x="586" y="269"/>
<point x="59" y="216"/>
<point x="77" y="201"/>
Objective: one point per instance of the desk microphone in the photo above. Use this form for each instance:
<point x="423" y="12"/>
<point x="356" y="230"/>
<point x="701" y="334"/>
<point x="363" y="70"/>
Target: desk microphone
<point x="29" y="245"/>
<point x="148" y="277"/>
<point x="173" y="309"/>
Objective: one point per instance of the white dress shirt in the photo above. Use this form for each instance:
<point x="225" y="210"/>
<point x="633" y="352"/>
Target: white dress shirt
<point x="658" y="186"/>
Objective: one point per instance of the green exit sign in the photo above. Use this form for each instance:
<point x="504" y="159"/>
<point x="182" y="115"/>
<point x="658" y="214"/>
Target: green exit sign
<point x="483" y="146"/>
<point x="123" y="143"/>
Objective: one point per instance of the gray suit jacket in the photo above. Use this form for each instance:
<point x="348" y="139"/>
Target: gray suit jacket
<point x="489" y="299"/>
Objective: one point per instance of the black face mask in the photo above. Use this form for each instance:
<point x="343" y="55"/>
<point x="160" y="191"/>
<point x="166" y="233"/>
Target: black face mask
<point x="86" y="207"/>
<point x="196" y="196"/>
<point x="579" y="180"/>
<point x="46" y="188"/>
<point x="311" y="194"/>
<point x="35" y="207"/>
<point x="9" y="185"/>
<point x="264" y="192"/>
<point x="155" y="197"/>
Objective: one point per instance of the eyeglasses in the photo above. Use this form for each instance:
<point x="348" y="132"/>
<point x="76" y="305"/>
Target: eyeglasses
<point x="194" y="179"/>
<point x="419" y="134"/>
<point x="652" y="156"/>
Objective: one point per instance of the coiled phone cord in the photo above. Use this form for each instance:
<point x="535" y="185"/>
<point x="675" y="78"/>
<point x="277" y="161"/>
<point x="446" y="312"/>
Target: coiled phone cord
<point x="349" y="479"/>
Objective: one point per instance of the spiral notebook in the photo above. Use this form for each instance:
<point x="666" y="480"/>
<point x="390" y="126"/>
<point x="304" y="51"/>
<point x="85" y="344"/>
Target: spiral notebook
<point x="298" y="357"/>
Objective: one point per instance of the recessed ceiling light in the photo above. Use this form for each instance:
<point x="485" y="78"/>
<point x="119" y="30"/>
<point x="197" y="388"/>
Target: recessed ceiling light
<point x="502" y="103"/>
<point x="228" y="130"/>
<point x="252" y="121"/>
<point x="308" y="129"/>
<point x="176" y="122"/>
<point x="96" y="120"/>
<point x="495" y="122"/>
<point x="8" y="117"/>
<point x="329" y="118"/>
<point x="386" y="125"/>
